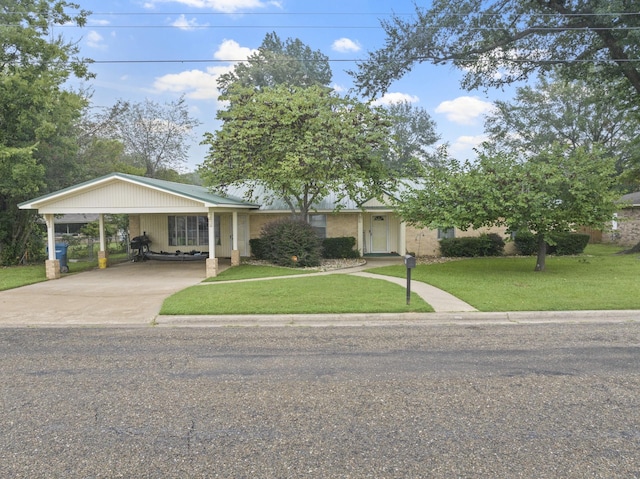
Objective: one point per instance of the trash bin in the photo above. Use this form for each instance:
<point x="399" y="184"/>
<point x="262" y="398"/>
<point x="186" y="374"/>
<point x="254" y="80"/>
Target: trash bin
<point x="61" y="255"/>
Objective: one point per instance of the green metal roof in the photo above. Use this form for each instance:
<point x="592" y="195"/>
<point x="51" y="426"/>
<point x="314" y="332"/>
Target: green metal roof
<point x="195" y="192"/>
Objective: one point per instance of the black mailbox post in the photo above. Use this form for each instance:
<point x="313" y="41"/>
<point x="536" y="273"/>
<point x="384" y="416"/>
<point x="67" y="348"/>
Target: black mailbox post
<point x="410" y="263"/>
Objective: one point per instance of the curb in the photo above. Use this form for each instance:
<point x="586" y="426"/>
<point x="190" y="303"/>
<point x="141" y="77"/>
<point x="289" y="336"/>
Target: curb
<point x="403" y="319"/>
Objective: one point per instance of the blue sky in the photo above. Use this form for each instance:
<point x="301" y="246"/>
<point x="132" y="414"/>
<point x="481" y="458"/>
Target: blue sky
<point x="161" y="49"/>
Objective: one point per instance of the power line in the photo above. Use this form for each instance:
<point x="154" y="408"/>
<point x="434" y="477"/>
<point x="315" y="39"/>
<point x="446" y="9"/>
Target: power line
<point x="350" y="60"/>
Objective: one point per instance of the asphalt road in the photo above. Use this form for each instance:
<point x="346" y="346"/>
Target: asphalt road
<point x="498" y="401"/>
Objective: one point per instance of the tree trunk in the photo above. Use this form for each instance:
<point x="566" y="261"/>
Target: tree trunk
<point x="542" y="254"/>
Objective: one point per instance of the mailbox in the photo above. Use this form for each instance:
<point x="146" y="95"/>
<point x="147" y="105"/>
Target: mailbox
<point x="410" y="261"/>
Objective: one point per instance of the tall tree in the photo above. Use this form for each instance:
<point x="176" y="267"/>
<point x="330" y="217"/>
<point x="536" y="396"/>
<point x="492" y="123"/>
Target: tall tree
<point x="37" y="117"/>
<point x="551" y="192"/>
<point x="154" y="135"/>
<point x="299" y="144"/>
<point x="413" y="134"/>
<point x="579" y="113"/>
<point x="498" y="42"/>
<point x="279" y="62"/>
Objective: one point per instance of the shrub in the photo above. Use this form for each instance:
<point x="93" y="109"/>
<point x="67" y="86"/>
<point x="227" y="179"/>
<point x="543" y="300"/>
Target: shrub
<point x="338" y="248"/>
<point x="564" y="243"/>
<point x="291" y="243"/>
<point x="526" y="243"/>
<point x="470" y="246"/>
<point x="568" y="243"/>
<point x="257" y="248"/>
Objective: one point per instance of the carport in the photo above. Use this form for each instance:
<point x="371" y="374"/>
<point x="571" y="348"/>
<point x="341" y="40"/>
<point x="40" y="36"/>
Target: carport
<point x="147" y="201"/>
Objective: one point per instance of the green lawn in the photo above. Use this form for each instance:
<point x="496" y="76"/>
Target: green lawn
<point x="336" y="293"/>
<point x="16" y="276"/>
<point x="245" y="271"/>
<point x="599" y="279"/>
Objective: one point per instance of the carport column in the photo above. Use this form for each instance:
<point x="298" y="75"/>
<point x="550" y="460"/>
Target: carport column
<point x="102" y="254"/>
<point x="52" y="265"/>
<point x="360" y="239"/>
<point x="402" y="247"/>
<point x="212" y="261"/>
<point x="235" y="252"/>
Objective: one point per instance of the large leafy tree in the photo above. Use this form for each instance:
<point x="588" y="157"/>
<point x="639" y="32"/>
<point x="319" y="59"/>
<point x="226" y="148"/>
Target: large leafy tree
<point x="154" y="135"/>
<point x="297" y="144"/>
<point x="37" y="116"/>
<point x="554" y="191"/>
<point x="280" y="62"/>
<point x="413" y="135"/>
<point x="578" y="113"/>
<point x="498" y="42"/>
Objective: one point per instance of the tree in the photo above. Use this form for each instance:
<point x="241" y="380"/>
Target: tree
<point x="276" y="62"/>
<point x="154" y="136"/>
<point x="554" y="191"/>
<point x="298" y="143"/>
<point x="578" y="113"/>
<point x="37" y="117"/>
<point x="499" y="42"/>
<point x="412" y="133"/>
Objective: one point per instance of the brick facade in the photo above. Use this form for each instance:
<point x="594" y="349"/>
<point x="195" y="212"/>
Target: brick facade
<point x="628" y="228"/>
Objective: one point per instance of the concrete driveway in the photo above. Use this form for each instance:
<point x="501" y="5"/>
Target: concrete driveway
<point x="124" y="294"/>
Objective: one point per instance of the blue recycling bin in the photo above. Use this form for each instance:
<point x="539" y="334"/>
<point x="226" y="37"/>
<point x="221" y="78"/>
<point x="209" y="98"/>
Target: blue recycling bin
<point x="61" y="255"/>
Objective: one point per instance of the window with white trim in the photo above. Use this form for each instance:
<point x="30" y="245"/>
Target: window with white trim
<point x="189" y="230"/>
<point x="446" y="233"/>
<point x="319" y="224"/>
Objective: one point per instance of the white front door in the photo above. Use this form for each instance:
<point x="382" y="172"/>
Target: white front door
<point x="379" y="234"/>
<point x="223" y="249"/>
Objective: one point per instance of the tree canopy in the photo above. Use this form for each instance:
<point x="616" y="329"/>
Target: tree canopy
<point x="413" y="135"/>
<point x="299" y="143"/>
<point x="499" y="42"/>
<point x="279" y="62"/>
<point x="555" y="191"/>
<point x="37" y="116"/>
<point x="578" y="113"/>
<point x="154" y="136"/>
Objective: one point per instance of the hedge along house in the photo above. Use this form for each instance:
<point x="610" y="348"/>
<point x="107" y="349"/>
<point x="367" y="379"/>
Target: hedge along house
<point x="182" y="217"/>
<point x="175" y="216"/>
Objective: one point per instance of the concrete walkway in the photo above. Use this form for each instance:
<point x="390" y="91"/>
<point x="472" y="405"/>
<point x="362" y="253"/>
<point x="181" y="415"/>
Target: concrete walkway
<point x="440" y="301"/>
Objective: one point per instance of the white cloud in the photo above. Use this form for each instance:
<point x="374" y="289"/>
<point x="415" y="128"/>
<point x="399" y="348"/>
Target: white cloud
<point x="225" y="6"/>
<point x="464" y="110"/>
<point x="199" y="84"/>
<point x="184" y="24"/>
<point x="338" y="88"/>
<point x="396" y="97"/>
<point x="231" y="51"/>
<point x="343" y="45"/>
<point x="463" y="145"/>
<point x="95" y="40"/>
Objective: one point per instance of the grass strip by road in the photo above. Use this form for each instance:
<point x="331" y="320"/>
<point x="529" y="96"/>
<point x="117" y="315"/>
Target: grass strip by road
<point x="332" y="294"/>
<point x="598" y="280"/>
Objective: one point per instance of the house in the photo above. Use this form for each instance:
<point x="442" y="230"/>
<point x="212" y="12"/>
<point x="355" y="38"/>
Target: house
<point x="71" y="224"/>
<point x="179" y="217"/>
<point x="625" y="230"/>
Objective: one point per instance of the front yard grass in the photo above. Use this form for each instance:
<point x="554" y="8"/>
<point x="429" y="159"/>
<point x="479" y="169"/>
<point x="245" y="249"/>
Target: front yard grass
<point x="16" y="276"/>
<point x="332" y="294"/>
<point x="598" y="279"/>
<point x="246" y="271"/>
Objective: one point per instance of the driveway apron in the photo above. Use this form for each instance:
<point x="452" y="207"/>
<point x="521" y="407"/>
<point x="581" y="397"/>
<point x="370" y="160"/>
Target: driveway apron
<point x="125" y="294"/>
